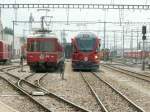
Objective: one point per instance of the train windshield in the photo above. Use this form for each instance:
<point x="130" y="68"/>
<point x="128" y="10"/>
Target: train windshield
<point x="86" y="44"/>
<point x="42" y="46"/>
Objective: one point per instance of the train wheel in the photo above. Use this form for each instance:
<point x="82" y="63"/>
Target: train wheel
<point x="96" y="69"/>
<point x="4" y="62"/>
<point x="32" y="69"/>
<point x="75" y="70"/>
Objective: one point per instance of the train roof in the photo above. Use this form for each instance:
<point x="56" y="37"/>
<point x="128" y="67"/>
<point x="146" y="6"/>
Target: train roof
<point x="43" y="35"/>
<point x="86" y="34"/>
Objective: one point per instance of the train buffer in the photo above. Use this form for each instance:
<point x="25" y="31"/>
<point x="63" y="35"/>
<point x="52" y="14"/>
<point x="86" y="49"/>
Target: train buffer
<point x="6" y="108"/>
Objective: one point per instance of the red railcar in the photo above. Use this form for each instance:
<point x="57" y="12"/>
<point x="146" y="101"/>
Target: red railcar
<point x="85" y="51"/>
<point x="5" y="51"/>
<point x="136" y="54"/>
<point x="44" y="51"/>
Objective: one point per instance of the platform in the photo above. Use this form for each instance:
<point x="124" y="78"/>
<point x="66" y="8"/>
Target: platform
<point x="6" y="108"/>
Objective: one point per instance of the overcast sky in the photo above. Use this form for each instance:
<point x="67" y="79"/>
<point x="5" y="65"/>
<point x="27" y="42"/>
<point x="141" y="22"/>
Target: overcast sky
<point x="8" y="15"/>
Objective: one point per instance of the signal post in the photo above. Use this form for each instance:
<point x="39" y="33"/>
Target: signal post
<point x="143" y="38"/>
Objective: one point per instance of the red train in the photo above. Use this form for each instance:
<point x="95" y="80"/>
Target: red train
<point x="44" y="51"/>
<point x="136" y="54"/>
<point x="5" y="52"/>
<point x="85" y="51"/>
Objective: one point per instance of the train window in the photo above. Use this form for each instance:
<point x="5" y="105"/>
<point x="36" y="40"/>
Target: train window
<point x="44" y="46"/>
<point x="86" y="35"/>
<point x="86" y="45"/>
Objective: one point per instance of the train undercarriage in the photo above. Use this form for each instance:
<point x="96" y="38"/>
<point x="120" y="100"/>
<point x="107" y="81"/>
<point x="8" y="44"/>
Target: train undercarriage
<point x="85" y="66"/>
<point x="44" y="66"/>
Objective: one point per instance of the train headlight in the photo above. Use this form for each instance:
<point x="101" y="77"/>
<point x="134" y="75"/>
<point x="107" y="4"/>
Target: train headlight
<point x="96" y="57"/>
<point x="52" y="56"/>
<point x="85" y="58"/>
<point x="31" y="56"/>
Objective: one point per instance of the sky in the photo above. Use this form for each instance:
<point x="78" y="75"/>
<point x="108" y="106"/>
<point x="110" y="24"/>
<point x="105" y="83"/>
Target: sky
<point x="100" y="15"/>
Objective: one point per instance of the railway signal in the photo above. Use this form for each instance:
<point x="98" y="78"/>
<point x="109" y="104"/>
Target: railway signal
<point x="143" y="30"/>
<point x="143" y="38"/>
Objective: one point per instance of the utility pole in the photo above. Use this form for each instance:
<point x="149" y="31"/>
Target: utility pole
<point x="42" y="22"/>
<point x="15" y="10"/>
<point x="67" y="16"/>
<point x="114" y="43"/>
<point x="123" y="43"/>
<point x="131" y="43"/>
<point x="104" y="34"/>
<point x="0" y="13"/>
<point x="107" y="42"/>
<point x="13" y="49"/>
<point x="31" y="19"/>
<point x="137" y="40"/>
<point x="137" y="43"/>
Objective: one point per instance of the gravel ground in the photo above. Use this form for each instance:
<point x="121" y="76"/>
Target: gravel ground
<point x="35" y="77"/>
<point x="55" y="105"/>
<point x="5" y="88"/>
<point x="112" y="101"/>
<point x="21" y="103"/>
<point x="72" y="88"/>
<point x="136" y="69"/>
<point x="136" y="90"/>
<point x="23" y="74"/>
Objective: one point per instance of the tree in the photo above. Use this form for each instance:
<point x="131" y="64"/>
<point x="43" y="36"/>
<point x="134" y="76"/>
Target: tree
<point x="22" y="39"/>
<point x="8" y="31"/>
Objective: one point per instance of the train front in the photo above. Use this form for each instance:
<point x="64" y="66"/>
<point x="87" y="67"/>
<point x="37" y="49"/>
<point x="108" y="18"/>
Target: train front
<point x="43" y="52"/>
<point x="85" y="52"/>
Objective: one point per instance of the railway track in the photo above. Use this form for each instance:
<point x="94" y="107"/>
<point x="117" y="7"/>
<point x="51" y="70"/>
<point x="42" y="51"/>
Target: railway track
<point x="27" y="88"/>
<point x="109" y="99"/>
<point x="8" y="76"/>
<point x="51" y="94"/>
<point x="145" y="77"/>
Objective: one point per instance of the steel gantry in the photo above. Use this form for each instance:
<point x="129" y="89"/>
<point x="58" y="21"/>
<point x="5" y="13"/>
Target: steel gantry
<point x="86" y="22"/>
<point x="76" y="6"/>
